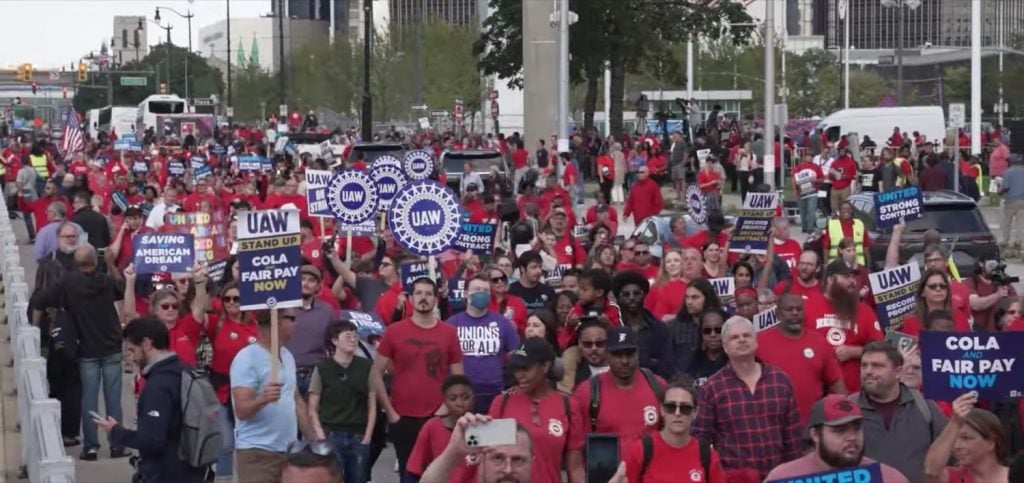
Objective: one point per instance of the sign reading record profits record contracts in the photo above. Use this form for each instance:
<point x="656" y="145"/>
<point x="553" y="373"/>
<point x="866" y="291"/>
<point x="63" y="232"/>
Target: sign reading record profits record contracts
<point x="754" y="223"/>
<point x="895" y="292"/>
<point x="895" y="206"/>
<point x="163" y="253"/>
<point x="268" y="259"/>
<point x="425" y="218"/>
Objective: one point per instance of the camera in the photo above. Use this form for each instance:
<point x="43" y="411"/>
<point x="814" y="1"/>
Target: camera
<point x="997" y="273"/>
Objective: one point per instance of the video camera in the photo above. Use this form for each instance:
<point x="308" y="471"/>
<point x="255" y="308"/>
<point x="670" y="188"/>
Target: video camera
<point x="997" y="273"/>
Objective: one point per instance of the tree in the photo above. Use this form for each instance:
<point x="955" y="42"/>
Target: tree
<point x="868" y="88"/>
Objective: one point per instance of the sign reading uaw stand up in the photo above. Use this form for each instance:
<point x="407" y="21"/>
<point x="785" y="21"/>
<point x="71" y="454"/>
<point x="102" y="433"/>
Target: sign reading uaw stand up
<point x="424" y="218"/>
<point x="352" y="196"/>
<point x="268" y="259"/>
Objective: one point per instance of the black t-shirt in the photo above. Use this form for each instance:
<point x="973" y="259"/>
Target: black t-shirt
<point x="542" y="158"/>
<point x="540" y="296"/>
<point x="869" y="179"/>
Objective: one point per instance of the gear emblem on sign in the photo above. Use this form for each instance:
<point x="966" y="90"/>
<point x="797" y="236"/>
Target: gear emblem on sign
<point x="386" y="160"/>
<point x="352" y="212"/>
<point x="384" y="172"/>
<point x="417" y="237"/>
<point x="418" y="165"/>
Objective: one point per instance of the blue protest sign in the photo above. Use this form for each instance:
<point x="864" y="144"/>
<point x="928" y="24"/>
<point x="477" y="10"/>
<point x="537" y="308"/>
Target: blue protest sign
<point x="387" y="160"/>
<point x="140" y="167"/>
<point x="698" y="204"/>
<point x="754" y="224"/>
<point x="253" y="163"/>
<point x="457" y="294"/>
<point x="316" y="192"/>
<point x="892" y="207"/>
<point x="367" y="324"/>
<point x="410" y="270"/>
<point x="201" y="172"/>
<point x="127" y="144"/>
<point x="218" y="149"/>
<point x="418" y="165"/>
<point x="175" y="168"/>
<point x="953" y="363"/>
<point x="861" y="474"/>
<point x="268" y="259"/>
<point x="424" y="218"/>
<point x="389" y="180"/>
<point x="895" y="292"/>
<point x="352" y="197"/>
<point x="163" y="252"/>
<point x="197" y="161"/>
<point x="476" y="237"/>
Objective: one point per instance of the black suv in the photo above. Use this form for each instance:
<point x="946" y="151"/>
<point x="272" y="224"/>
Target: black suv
<point x="954" y="215"/>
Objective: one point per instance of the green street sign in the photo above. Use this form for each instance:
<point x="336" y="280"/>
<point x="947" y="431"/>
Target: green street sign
<point x="130" y="81"/>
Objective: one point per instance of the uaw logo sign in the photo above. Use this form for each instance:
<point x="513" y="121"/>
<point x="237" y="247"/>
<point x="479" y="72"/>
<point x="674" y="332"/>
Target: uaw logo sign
<point x="418" y="165"/>
<point x="352" y="197"/>
<point x="698" y="204"/>
<point x="424" y="217"/>
<point x="386" y="160"/>
<point x="389" y="180"/>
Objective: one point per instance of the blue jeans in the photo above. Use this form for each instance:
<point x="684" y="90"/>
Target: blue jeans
<point x="226" y="463"/>
<point x="808" y="213"/>
<point x="352" y="454"/>
<point x="93" y="371"/>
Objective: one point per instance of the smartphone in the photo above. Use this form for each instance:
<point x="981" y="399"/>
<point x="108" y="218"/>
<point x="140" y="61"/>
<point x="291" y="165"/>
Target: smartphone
<point x="602" y="457"/>
<point x="97" y="416"/>
<point x="497" y="432"/>
<point x="900" y="340"/>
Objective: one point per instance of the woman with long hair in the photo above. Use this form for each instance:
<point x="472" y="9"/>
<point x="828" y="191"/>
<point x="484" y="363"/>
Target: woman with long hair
<point x="172" y="307"/>
<point x="743" y="275"/>
<point x="711" y="355"/>
<point x="932" y="294"/>
<point x="542" y="324"/>
<point x="715" y="260"/>
<point x="602" y="257"/>
<point x="1006" y="312"/>
<point x="664" y="301"/>
<point x="976" y="439"/>
<point x="684" y="329"/>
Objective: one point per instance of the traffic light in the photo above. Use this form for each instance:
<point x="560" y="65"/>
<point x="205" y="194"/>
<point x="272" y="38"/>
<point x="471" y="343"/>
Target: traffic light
<point x="83" y="72"/>
<point x="26" y="72"/>
<point x="35" y="87"/>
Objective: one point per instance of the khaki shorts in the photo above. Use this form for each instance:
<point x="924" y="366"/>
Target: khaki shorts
<point x="259" y="466"/>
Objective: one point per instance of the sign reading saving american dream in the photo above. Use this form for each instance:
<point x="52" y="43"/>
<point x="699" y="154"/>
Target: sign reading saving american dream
<point x="892" y="207"/>
<point x="268" y="259"/>
<point x="411" y="270"/>
<point x="954" y="363"/>
<point x="418" y="165"/>
<point x="389" y="180"/>
<point x="163" y="252"/>
<point x="476" y="237"/>
<point x="254" y="164"/>
<point x="861" y="474"/>
<point x="895" y="292"/>
<point x="424" y="218"/>
<point x="754" y="223"/>
<point x="698" y="204"/>
<point x="351" y="197"/>
<point x="316" y="192"/>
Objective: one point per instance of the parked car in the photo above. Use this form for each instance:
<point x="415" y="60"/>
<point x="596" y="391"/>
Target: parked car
<point x="487" y="163"/>
<point x="956" y="216"/>
<point x="656" y="231"/>
<point x="372" y="151"/>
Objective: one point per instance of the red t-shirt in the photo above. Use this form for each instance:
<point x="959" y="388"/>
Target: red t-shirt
<point x="570" y="175"/>
<point x="227" y="342"/>
<point x="701" y="238"/>
<point x="789" y="251"/>
<point x="568" y="251"/>
<point x="822" y="319"/>
<point x="666" y="299"/>
<point x="913" y="326"/>
<point x="388" y="301"/>
<point x="420" y="359"/>
<point x="705" y="177"/>
<point x="671" y="464"/>
<point x="629" y="413"/>
<point x="512" y="309"/>
<point x="430" y="443"/>
<point x="811" y="372"/>
<point x="794" y="286"/>
<point x="848" y="171"/>
<point x="519" y="158"/>
<point x="552" y="431"/>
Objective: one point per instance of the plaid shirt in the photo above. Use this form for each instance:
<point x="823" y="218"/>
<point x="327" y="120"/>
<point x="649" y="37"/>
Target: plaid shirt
<point x="759" y="430"/>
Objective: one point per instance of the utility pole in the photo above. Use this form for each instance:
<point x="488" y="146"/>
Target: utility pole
<point x="899" y="53"/>
<point x="367" y="113"/>
<point x="228" y="55"/>
<point x="280" y="51"/>
<point x="563" y="72"/>
<point x="769" y="93"/>
<point x="844" y="13"/>
<point x="1002" y="46"/>
<point x="975" y="78"/>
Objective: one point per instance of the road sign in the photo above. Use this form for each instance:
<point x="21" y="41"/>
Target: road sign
<point x="54" y="76"/>
<point x="439" y="113"/>
<point x="202" y="101"/>
<point x="419" y="107"/>
<point x="133" y="81"/>
<point x="231" y="112"/>
<point x="282" y="110"/>
<point x="494" y="108"/>
<point x="493" y="95"/>
<point x="458" y="111"/>
<point x="957" y="115"/>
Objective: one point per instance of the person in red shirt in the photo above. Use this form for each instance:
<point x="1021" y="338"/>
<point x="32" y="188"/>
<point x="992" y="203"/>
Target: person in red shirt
<point x="605" y="173"/>
<point x="842" y="172"/>
<point x="807" y="178"/>
<point x="393" y="305"/>
<point x="421" y="351"/>
<point x="846" y="323"/>
<point x="672" y="452"/>
<point x="786" y="248"/>
<point x="595" y="300"/>
<point x="803" y="355"/>
<point x="288" y="195"/>
<point x="39" y="207"/>
<point x="436" y="433"/>
<point x="602" y="213"/>
<point x="847" y="225"/>
<point x="710" y="183"/>
<point x="507" y="305"/>
<point x="568" y="250"/>
<point x="520" y="162"/>
<point x="643" y="262"/>
<point x="644" y="198"/>
<point x="664" y="301"/>
<point x="933" y="294"/>
<point x="896" y="140"/>
<point x="805" y="282"/>
<point x="121" y="251"/>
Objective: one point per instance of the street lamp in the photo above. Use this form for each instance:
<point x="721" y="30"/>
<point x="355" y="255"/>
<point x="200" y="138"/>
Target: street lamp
<point x="188" y="59"/>
<point x="168" y="30"/>
<point x="899" y="4"/>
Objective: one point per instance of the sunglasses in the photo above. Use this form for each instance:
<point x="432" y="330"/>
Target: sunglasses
<point x="499" y="279"/>
<point x="231" y="299"/>
<point x="710" y="330"/>
<point x="671" y="407"/>
<point x="937" y="286"/>
<point x="631" y="293"/>
<point x="591" y="344"/>
<point x="641" y="252"/>
<point x="169" y="306"/>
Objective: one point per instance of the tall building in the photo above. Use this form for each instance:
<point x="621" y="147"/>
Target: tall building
<point x="129" y="42"/>
<point x="261" y="35"/>
<point x="406" y="14"/>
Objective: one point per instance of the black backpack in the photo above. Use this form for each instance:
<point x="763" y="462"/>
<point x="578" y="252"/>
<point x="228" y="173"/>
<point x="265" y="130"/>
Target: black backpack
<point x="648" y="445"/>
<point x="595" y="394"/>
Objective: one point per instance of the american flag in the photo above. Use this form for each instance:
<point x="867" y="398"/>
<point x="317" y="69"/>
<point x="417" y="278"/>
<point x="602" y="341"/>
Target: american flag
<point x="72" y="140"/>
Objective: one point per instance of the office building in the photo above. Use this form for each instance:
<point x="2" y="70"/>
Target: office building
<point x="128" y="43"/>
<point x="406" y="14"/>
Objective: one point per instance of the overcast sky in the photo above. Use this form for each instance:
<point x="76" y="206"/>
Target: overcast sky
<point x="53" y="33"/>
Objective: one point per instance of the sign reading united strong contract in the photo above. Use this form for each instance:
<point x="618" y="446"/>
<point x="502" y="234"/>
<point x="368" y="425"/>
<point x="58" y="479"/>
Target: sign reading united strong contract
<point x="476" y="237"/>
<point x="418" y="165"/>
<point x="269" y="259"/>
<point x="425" y="218"/>
<point x="163" y="253"/>
<point x="352" y="196"/>
<point x="902" y="205"/>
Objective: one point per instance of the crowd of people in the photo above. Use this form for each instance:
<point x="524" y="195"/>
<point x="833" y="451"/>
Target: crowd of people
<point x="564" y="329"/>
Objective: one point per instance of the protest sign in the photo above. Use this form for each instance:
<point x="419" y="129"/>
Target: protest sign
<point x="424" y="218"/>
<point x="388" y="180"/>
<point x="127" y="144"/>
<point x="140" y="167"/>
<point x="754" y="224"/>
<point x="253" y="164"/>
<point x="553" y="278"/>
<point x="216" y="269"/>
<point x="697" y="203"/>
<point x="207" y="229"/>
<point x="418" y="165"/>
<point x="325" y="150"/>
<point x="895" y="292"/>
<point x="268" y="259"/>
<point x="316" y="193"/>
<point x="202" y="172"/>
<point x="368" y="227"/>
<point x="805" y="182"/>
<point x="367" y="324"/>
<point x="766" y="319"/>
<point x="724" y="286"/>
<point x="476" y="237"/>
<point x="861" y="474"/>
<point x="352" y="197"/>
<point x="175" y="168"/>
<point x="954" y="363"/>
<point x="163" y="252"/>
<point x="892" y="207"/>
<point x="410" y="270"/>
<point x="581" y="231"/>
<point x="387" y="160"/>
<point x="457" y="294"/>
<point x="196" y="162"/>
<point x="218" y="149"/>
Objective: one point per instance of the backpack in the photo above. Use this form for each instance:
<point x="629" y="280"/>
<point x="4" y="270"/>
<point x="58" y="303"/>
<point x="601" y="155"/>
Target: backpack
<point x="595" y="394"/>
<point x="202" y="434"/>
<point x="648" y="445"/>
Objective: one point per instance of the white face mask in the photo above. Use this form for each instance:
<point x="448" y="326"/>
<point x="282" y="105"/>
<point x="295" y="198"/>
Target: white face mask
<point x="67" y="250"/>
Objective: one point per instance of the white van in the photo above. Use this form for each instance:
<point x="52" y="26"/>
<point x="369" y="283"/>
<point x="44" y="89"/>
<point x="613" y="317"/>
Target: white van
<point x="878" y="122"/>
<point x="155" y="105"/>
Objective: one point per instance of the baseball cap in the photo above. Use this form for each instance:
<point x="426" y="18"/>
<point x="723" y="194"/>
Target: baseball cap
<point x="833" y="410"/>
<point x="621" y="339"/>
<point x="534" y="350"/>
<point x="312" y="271"/>
<point x="839" y="267"/>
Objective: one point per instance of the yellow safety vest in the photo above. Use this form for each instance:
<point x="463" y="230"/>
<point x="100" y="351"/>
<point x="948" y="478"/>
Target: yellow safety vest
<point x="953" y="272"/>
<point x="835" y="235"/>
<point x="39" y="162"/>
<point x="980" y="179"/>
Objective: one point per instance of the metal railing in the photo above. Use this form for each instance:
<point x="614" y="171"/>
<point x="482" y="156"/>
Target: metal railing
<point x="43" y="458"/>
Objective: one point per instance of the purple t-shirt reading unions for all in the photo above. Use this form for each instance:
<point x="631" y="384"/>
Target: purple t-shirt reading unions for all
<point x="485" y="341"/>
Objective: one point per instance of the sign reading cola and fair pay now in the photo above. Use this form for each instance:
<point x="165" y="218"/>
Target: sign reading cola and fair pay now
<point x="269" y="259"/>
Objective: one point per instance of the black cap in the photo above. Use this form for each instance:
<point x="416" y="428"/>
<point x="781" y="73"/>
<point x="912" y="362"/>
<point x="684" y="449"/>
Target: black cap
<point x="621" y="339"/>
<point x="839" y="267"/>
<point x="534" y="350"/>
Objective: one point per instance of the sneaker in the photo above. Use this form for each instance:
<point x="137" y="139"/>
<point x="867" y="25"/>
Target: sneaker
<point x="69" y="442"/>
<point x="91" y="454"/>
<point x="119" y="453"/>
